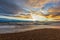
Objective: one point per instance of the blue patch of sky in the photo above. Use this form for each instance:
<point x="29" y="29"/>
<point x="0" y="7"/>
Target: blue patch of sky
<point x="50" y="5"/>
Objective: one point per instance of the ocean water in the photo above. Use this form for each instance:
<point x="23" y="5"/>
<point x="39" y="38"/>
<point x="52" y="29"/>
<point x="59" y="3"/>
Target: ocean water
<point x="22" y="28"/>
<point x="11" y="20"/>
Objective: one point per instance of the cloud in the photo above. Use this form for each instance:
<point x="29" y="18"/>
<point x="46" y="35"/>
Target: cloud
<point x="36" y="3"/>
<point x="40" y="3"/>
<point x="55" y="1"/>
<point x="15" y="6"/>
<point x="8" y="7"/>
<point x="54" y="10"/>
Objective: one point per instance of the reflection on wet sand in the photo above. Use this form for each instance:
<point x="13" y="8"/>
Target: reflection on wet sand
<point x="22" y="28"/>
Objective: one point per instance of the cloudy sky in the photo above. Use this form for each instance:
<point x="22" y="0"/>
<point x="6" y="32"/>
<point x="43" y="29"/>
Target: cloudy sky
<point x="11" y="7"/>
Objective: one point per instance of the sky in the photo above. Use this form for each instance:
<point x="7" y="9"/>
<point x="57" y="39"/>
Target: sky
<point x="12" y="7"/>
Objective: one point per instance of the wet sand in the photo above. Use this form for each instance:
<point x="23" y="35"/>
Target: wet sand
<point x="38" y="34"/>
<point x="30" y="32"/>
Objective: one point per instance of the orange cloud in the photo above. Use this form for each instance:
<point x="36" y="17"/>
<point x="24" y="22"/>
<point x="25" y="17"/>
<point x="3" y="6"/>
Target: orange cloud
<point x="55" y="9"/>
<point x="39" y="3"/>
<point x="55" y="1"/>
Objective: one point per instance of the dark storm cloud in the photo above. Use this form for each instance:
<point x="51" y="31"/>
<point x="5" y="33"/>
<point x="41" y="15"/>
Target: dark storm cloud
<point x="8" y="7"/>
